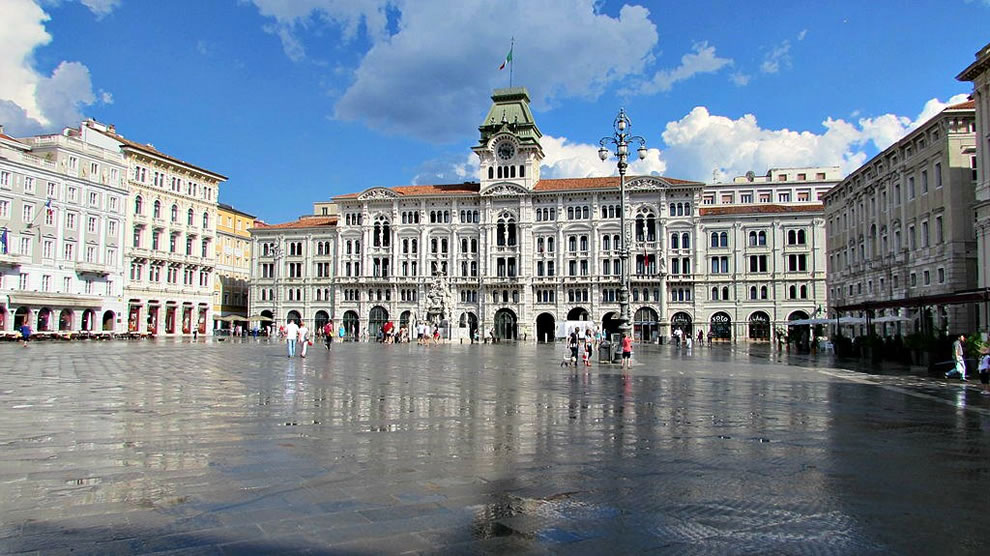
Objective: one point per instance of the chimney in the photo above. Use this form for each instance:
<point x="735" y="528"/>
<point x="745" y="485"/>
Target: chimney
<point x="1" y="128"/>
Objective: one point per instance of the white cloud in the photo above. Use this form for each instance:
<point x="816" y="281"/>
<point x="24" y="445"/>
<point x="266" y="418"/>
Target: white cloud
<point x="804" y="33"/>
<point x="429" y="73"/>
<point x="740" y="79"/>
<point x="701" y="142"/>
<point x="101" y="8"/>
<point x="31" y="102"/>
<point x="292" y="16"/>
<point x="779" y="56"/>
<point x="702" y="59"/>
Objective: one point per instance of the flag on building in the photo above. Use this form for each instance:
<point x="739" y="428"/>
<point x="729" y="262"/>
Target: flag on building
<point x="508" y="59"/>
<point x="3" y="241"/>
<point x="48" y="207"/>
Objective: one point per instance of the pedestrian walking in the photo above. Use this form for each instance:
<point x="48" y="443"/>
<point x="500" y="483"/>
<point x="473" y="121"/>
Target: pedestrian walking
<point x="958" y="356"/>
<point x="573" y="344"/>
<point x="291" y="335"/>
<point x="25" y="333"/>
<point x="587" y="354"/>
<point x="626" y="351"/>
<point x="985" y="371"/>
<point x="328" y="334"/>
<point x="303" y="340"/>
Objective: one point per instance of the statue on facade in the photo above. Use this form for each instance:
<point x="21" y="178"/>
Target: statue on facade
<point x="439" y="300"/>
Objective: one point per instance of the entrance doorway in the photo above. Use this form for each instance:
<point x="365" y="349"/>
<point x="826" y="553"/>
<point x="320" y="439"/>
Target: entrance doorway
<point x="505" y="324"/>
<point x="546" y="328"/>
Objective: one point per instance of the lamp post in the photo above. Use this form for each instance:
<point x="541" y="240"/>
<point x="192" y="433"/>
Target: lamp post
<point x="276" y="253"/>
<point x="620" y="140"/>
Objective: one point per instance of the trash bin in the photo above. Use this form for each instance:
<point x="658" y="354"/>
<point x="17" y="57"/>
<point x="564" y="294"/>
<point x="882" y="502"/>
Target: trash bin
<point x="605" y="352"/>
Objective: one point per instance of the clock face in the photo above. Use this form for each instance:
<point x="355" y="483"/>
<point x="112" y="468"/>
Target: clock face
<point x="506" y="150"/>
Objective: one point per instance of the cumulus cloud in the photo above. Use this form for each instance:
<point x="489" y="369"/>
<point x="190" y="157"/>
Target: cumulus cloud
<point x="701" y="142"/>
<point x="778" y="57"/>
<point x="740" y="79"/>
<point x="31" y="102"/>
<point x="702" y="59"/>
<point x="429" y="74"/>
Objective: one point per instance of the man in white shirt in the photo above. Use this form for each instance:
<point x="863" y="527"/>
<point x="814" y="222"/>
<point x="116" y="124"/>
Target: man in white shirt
<point x="291" y="334"/>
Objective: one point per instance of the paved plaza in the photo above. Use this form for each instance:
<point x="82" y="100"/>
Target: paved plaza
<point x="231" y="447"/>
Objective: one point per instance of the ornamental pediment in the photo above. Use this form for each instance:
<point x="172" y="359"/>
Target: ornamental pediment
<point x="504" y="189"/>
<point x="645" y="184"/>
<point x="378" y="194"/>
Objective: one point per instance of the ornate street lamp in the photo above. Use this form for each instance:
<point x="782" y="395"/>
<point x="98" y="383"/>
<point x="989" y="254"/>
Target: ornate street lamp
<point x="620" y="140"/>
<point x="276" y="254"/>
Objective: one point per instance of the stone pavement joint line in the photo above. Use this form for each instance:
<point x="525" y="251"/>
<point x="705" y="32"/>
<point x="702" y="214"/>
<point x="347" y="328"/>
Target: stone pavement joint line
<point x="230" y="447"/>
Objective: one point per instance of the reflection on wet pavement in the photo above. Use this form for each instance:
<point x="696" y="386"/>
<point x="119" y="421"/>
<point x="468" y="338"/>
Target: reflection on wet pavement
<point x="231" y="447"/>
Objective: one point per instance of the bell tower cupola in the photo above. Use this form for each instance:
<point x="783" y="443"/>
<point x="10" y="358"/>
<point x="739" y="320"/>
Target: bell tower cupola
<point x="509" y="150"/>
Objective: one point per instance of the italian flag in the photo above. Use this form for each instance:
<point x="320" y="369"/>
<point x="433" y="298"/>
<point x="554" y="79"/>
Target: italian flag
<point x="508" y="58"/>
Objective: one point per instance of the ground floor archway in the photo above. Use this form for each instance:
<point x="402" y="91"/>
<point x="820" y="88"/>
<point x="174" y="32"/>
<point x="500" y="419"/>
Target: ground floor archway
<point x="469" y="320"/>
<point x="377" y="318"/>
<point x="683" y="322"/>
<point x="546" y="328"/>
<point x="506" y="324"/>
<point x="759" y="326"/>
<point x="65" y="320"/>
<point x="88" y="319"/>
<point x="294" y="316"/>
<point x="646" y="325"/>
<point x="352" y="325"/>
<point x="45" y="320"/>
<point x="108" y="318"/>
<point x="577" y="313"/>
<point x="799" y="334"/>
<point x="610" y="324"/>
<point x="721" y="326"/>
<point x="22" y="316"/>
<point x="320" y="320"/>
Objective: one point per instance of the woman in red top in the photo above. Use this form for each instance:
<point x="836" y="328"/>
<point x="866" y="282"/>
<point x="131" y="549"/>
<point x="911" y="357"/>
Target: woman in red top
<point x="626" y="351"/>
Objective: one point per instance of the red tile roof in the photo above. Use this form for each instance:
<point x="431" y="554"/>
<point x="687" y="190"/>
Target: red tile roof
<point x="761" y="209"/>
<point x="967" y="105"/>
<point x="303" y="222"/>
<point x="152" y="150"/>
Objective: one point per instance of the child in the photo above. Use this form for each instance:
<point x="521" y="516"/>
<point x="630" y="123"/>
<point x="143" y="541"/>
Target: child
<point x="587" y="354"/>
<point x="985" y="372"/>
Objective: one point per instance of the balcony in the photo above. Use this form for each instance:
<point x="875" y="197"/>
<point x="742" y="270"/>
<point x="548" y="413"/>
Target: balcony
<point x="11" y="259"/>
<point x="92" y="268"/>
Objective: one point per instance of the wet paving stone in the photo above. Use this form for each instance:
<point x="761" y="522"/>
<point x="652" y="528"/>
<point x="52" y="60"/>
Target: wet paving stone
<point x="231" y="448"/>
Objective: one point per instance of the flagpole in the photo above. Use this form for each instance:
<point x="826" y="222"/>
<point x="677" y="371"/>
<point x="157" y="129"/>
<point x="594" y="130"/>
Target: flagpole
<point x="512" y="46"/>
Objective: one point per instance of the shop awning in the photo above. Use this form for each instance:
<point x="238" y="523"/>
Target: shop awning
<point x="47" y="300"/>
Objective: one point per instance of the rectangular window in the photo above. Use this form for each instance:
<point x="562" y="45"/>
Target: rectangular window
<point x="23" y="281"/>
<point x="746" y="198"/>
<point x="27" y="213"/>
<point x="941" y="276"/>
<point x="5" y="179"/>
<point x="66" y="284"/>
<point x="924" y="234"/>
<point x="783" y="197"/>
<point x="938" y="175"/>
<point x="46" y="283"/>
<point x="28" y="184"/>
<point x="924" y="181"/>
<point x="70" y="220"/>
<point x="911" y="194"/>
<point x="912" y="240"/>
<point x="47" y="249"/>
<point x="69" y="251"/>
<point x="91" y="225"/>
<point x="928" y="277"/>
<point x="4" y="208"/>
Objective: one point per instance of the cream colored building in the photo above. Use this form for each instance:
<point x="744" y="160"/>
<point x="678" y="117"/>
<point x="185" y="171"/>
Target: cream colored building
<point x="901" y="244"/>
<point x="170" y="255"/>
<point x="233" y="270"/>
<point x="979" y="74"/>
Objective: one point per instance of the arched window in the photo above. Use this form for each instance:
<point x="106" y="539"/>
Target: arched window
<point x="604" y="211"/>
<point x="464" y="245"/>
<point x="491" y="172"/>
<point x="723" y="239"/>
<point x="585" y="212"/>
<point x="640" y="228"/>
<point x="137" y="204"/>
<point x="405" y="246"/>
<point x="714" y="239"/>
<point x="763" y="292"/>
<point x="189" y="217"/>
<point x="522" y="171"/>
<point x="686" y="240"/>
<point x="206" y="220"/>
<point x="687" y="209"/>
<point x="752" y="292"/>
<point x="761" y="238"/>
<point x="715" y="294"/>
<point x="434" y="245"/>
<point x="804" y="292"/>
<point x="752" y="238"/>
<point x="792" y="292"/>
<point x="175" y="213"/>
<point x="725" y="292"/>
<point x="801" y="237"/>
<point x="570" y="213"/>
<point x="673" y="209"/>
<point x="674" y="241"/>
<point x="606" y="243"/>
<point x="156" y="209"/>
<point x="414" y="244"/>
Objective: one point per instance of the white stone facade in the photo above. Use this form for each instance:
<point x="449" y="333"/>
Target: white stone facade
<point x="61" y="203"/>
<point x="525" y="255"/>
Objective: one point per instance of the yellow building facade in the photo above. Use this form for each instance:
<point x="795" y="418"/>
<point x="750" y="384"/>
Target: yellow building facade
<point x="233" y="270"/>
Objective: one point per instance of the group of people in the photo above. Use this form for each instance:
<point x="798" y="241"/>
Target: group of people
<point x="680" y="338"/>
<point x="591" y="342"/>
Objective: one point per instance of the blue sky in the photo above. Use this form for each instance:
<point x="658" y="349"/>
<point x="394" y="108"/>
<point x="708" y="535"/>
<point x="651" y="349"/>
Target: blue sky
<point x="300" y="100"/>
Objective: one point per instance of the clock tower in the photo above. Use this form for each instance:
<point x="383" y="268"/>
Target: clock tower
<point x="509" y="150"/>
